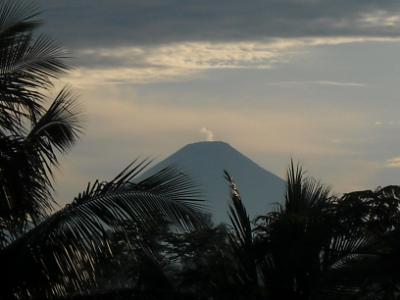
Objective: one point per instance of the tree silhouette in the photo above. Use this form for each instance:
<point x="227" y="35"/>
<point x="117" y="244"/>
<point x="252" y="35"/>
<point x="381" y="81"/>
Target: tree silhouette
<point x="151" y="234"/>
<point x="43" y="253"/>
<point x="304" y="249"/>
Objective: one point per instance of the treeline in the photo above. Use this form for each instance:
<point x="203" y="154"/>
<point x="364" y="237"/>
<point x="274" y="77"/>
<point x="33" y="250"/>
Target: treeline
<point x="313" y="246"/>
<point x="151" y="238"/>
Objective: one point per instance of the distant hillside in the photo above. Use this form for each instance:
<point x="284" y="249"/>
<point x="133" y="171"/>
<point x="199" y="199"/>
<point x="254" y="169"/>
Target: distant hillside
<point x="205" y="163"/>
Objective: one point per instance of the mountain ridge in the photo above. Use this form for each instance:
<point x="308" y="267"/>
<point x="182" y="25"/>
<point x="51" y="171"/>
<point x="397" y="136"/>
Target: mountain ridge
<point x="205" y="163"/>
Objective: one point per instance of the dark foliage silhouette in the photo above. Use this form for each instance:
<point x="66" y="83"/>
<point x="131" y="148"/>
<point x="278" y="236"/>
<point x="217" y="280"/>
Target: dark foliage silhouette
<point x="315" y="245"/>
<point x="135" y="238"/>
<point x="43" y="253"/>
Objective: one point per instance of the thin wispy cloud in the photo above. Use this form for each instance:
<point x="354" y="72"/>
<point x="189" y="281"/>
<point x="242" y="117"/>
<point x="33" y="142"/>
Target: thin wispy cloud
<point x="388" y="124"/>
<point x="380" y="19"/>
<point x="182" y="60"/>
<point x="393" y="162"/>
<point x="317" y="82"/>
<point x="169" y="62"/>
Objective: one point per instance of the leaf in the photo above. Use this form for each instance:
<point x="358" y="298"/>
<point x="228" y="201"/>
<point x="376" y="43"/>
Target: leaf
<point x="60" y="251"/>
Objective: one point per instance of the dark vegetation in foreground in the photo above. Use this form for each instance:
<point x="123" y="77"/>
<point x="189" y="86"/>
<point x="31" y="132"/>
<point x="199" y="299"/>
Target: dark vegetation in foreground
<point x="151" y="239"/>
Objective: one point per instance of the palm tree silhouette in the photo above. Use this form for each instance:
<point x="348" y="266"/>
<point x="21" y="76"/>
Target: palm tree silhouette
<point x="302" y="250"/>
<point x="45" y="253"/>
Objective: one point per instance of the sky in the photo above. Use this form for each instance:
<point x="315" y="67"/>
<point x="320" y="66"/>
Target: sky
<point x="315" y="80"/>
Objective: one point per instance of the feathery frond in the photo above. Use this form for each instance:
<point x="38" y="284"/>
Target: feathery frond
<point x="26" y="163"/>
<point x="57" y="129"/>
<point x="27" y="65"/>
<point x="241" y="239"/>
<point x="67" y="242"/>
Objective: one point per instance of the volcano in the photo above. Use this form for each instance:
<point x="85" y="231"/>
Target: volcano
<point x="205" y="163"/>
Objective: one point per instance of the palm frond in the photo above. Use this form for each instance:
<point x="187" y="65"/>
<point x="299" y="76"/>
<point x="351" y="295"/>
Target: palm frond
<point x="25" y="188"/>
<point x="238" y="215"/>
<point x="304" y="193"/>
<point x="58" y="128"/>
<point x="175" y="185"/>
<point x="124" y="178"/>
<point x="241" y="239"/>
<point x="27" y="64"/>
<point x="17" y="18"/>
<point x="26" y="163"/>
<point x="67" y="242"/>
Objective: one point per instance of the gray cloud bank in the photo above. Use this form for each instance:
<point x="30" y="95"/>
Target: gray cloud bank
<point x="103" y="23"/>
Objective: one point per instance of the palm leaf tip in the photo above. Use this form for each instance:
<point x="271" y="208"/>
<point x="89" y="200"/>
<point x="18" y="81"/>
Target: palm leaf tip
<point x="241" y="238"/>
<point x="60" y="125"/>
<point x="237" y="211"/>
<point x="169" y="192"/>
<point x="28" y="64"/>
<point x="18" y="17"/>
<point x="184" y="195"/>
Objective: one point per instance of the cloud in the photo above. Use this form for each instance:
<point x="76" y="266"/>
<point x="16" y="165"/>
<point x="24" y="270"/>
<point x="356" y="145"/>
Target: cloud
<point x="393" y="162"/>
<point x="175" y="61"/>
<point x="209" y="135"/>
<point x="146" y="41"/>
<point x="380" y="19"/>
<point x="388" y="124"/>
<point x="318" y="82"/>
<point x="192" y="55"/>
<point x="339" y="83"/>
<point x="154" y="22"/>
<point x="144" y="64"/>
<point x="85" y="77"/>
